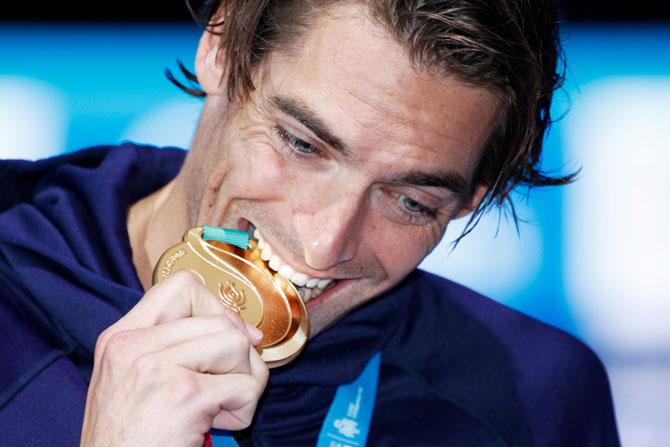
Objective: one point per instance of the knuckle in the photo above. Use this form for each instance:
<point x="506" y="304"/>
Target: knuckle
<point x="116" y="345"/>
<point x="147" y="366"/>
<point x="187" y="387"/>
<point x="103" y="339"/>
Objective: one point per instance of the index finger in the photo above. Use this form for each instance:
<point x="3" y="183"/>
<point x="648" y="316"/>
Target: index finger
<point x="181" y="295"/>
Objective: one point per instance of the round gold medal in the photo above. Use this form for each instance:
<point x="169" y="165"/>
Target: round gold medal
<point x="241" y="280"/>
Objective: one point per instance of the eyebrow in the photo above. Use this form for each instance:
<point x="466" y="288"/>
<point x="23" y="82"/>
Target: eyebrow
<point x="308" y="118"/>
<point x="298" y="110"/>
<point x="450" y="180"/>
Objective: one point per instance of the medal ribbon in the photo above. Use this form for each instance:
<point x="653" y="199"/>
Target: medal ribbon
<point x="347" y="423"/>
<point x="348" y="420"/>
<point x="237" y="238"/>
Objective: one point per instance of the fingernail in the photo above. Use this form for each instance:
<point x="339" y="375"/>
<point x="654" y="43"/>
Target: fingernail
<point x="255" y="332"/>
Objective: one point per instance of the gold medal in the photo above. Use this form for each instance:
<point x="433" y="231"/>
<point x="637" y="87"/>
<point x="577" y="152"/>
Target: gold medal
<point x="241" y="280"/>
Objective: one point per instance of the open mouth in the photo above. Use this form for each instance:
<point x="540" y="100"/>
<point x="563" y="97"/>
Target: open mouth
<point x="308" y="286"/>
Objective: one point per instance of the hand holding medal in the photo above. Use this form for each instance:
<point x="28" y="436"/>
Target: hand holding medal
<point x="230" y="266"/>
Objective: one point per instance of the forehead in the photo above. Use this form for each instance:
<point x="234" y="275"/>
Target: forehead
<point x="361" y="83"/>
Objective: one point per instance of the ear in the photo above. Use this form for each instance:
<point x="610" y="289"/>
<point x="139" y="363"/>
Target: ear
<point x="209" y="64"/>
<point x="476" y="198"/>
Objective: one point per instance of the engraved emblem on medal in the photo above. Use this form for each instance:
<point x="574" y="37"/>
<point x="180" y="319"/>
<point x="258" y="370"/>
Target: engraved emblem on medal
<point x="242" y="281"/>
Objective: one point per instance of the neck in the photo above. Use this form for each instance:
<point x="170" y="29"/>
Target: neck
<point x="155" y="223"/>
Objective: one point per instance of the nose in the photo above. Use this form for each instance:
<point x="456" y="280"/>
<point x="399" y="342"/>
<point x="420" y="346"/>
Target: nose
<point x="330" y="234"/>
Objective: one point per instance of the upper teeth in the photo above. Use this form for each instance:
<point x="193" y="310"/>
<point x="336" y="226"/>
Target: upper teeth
<point x="278" y="265"/>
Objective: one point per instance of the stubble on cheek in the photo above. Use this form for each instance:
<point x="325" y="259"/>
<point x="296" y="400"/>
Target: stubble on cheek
<point x="200" y="184"/>
<point x="212" y="164"/>
<point x="190" y="182"/>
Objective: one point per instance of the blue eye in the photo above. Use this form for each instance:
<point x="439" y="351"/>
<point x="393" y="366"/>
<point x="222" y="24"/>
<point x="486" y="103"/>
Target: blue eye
<point x="296" y="144"/>
<point x="411" y="205"/>
<point x="303" y="146"/>
<point x="414" y="207"/>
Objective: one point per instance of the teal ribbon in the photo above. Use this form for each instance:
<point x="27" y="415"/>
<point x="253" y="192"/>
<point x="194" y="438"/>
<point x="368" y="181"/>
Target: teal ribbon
<point x="237" y="238"/>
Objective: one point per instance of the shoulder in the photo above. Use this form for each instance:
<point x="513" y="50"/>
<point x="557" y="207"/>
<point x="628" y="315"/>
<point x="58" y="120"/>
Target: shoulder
<point x="90" y="157"/>
<point x="20" y="180"/>
<point x="447" y="309"/>
<point x="526" y="340"/>
<point x="516" y="373"/>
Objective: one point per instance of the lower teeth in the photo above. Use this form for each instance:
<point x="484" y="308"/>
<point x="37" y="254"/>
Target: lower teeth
<point x="307" y="294"/>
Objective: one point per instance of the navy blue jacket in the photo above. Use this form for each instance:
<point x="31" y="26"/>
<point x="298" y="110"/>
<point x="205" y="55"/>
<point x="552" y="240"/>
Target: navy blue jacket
<point x="458" y="369"/>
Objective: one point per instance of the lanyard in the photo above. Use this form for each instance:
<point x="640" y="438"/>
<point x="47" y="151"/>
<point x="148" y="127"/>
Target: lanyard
<point x="348" y="420"/>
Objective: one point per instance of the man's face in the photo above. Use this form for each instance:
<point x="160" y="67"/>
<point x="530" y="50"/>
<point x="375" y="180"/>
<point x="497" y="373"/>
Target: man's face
<point x="348" y="160"/>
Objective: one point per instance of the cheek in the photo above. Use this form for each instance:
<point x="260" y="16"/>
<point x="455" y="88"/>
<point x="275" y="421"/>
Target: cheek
<point x="258" y="168"/>
<point x="399" y="261"/>
<point x="400" y="249"/>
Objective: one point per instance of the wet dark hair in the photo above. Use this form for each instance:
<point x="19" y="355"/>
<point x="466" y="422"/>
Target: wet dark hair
<point x="511" y="47"/>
